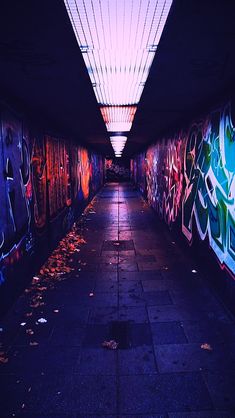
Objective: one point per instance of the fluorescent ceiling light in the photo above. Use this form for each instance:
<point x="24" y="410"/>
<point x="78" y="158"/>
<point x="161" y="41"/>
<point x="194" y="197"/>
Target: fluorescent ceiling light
<point x="118" y="118"/>
<point x="118" y="143"/>
<point x="118" y="40"/>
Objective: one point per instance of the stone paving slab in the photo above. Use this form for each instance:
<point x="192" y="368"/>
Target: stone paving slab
<point x="163" y="392"/>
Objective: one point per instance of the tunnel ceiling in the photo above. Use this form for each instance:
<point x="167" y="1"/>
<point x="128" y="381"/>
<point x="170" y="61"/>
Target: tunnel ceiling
<point x="42" y="68"/>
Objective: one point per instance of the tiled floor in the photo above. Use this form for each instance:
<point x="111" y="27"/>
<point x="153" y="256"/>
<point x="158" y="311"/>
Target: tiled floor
<point x="176" y="354"/>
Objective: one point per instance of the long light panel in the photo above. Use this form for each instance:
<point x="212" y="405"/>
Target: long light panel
<point x="118" y="40"/>
<point x="118" y="118"/>
<point x="118" y="143"/>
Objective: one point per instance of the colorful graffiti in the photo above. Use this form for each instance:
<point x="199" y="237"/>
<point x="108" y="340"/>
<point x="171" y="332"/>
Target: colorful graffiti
<point x="209" y="196"/>
<point x="164" y="176"/>
<point x="42" y="179"/>
<point x="138" y="171"/>
<point x="15" y="215"/>
<point x="85" y="172"/>
<point x="191" y="182"/>
<point x="116" y="170"/>
<point x="39" y="179"/>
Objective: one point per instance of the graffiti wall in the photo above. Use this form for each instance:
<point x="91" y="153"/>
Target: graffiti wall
<point x="117" y="170"/>
<point x="138" y="171"/>
<point x="191" y="183"/>
<point x="45" y="182"/>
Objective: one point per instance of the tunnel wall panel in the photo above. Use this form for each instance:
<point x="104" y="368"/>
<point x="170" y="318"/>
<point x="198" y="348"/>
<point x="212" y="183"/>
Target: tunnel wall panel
<point x="45" y="182"/>
<point x="190" y="182"/>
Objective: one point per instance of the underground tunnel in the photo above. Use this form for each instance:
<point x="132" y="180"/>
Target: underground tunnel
<point x="117" y="209"/>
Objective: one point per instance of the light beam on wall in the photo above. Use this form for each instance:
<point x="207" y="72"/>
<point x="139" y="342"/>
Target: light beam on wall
<point x="118" y="40"/>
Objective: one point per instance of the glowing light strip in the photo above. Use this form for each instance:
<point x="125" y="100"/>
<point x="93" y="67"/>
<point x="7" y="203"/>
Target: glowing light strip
<point x="118" y="143"/>
<point x="118" y="40"/>
<point x="118" y="118"/>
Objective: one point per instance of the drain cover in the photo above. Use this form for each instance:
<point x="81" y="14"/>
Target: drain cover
<point x="120" y="332"/>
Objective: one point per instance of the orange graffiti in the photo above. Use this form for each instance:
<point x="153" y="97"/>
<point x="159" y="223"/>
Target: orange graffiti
<point x="85" y="172"/>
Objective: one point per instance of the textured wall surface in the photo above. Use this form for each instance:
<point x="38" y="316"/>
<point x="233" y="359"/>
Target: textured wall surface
<point x="190" y="182"/>
<point x="44" y="184"/>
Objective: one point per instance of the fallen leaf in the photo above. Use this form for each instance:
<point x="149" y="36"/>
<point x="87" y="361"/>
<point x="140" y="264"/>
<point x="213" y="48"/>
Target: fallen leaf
<point x="111" y="345"/>
<point x="29" y="331"/>
<point x="206" y="346"/>
<point x="3" y="359"/>
<point x="42" y="321"/>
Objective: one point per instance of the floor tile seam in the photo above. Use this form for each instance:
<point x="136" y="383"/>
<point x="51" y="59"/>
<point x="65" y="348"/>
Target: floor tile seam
<point x="50" y="373"/>
<point x="202" y="373"/>
<point x="157" y="374"/>
<point x="152" y="339"/>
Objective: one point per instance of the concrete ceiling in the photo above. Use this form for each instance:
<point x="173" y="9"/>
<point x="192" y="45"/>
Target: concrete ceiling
<point x="42" y="69"/>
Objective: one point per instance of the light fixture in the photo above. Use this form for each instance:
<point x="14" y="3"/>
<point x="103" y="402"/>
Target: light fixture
<point x="118" y="40"/>
<point x="118" y="143"/>
<point x="118" y="118"/>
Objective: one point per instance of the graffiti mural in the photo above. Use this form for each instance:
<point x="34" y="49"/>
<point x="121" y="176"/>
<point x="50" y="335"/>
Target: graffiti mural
<point x="85" y="172"/>
<point x="15" y="216"/>
<point x="191" y="182"/>
<point x="164" y="176"/>
<point x="116" y="170"/>
<point x="43" y="182"/>
<point x="97" y="174"/>
<point x="209" y="196"/>
<point x="58" y="176"/>
<point x="39" y="180"/>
